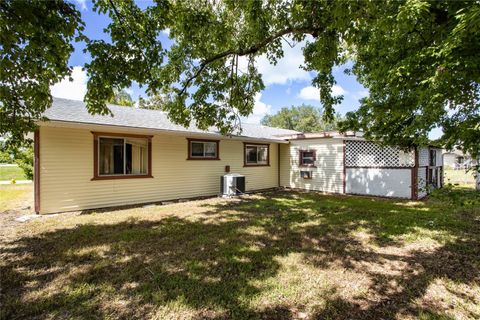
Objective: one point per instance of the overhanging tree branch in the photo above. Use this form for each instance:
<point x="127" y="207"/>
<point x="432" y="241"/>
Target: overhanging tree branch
<point x="251" y="50"/>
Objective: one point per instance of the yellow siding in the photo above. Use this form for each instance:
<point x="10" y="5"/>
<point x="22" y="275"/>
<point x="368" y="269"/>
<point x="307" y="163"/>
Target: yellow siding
<point x="66" y="167"/>
<point x="328" y="174"/>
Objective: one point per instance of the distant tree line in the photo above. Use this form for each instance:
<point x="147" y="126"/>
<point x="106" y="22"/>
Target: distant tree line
<point x="304" y="118"/>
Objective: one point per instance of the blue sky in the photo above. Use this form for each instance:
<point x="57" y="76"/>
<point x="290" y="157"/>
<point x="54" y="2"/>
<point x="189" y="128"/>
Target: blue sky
<point x="286" y="83"/>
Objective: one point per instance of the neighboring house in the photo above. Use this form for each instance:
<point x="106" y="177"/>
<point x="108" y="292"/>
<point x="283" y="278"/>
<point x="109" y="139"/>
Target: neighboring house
<point x="456" y="159"/>
<point x="138" y="156"/>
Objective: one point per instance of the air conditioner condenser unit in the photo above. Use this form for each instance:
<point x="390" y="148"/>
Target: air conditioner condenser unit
<point x="232" y="184"/>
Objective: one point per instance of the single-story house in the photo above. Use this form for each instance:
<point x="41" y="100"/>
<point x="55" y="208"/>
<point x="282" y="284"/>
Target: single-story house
<point x="85" y="161"/>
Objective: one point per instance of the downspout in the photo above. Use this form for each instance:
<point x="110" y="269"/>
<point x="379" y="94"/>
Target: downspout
<point x="278" y="163"/>
<point x="36" y="170"/>
<point x="415" y="175"/>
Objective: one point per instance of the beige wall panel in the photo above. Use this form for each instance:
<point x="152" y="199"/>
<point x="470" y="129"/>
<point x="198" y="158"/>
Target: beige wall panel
<point x="327" y="175"/>
<point x="66" y="169"/>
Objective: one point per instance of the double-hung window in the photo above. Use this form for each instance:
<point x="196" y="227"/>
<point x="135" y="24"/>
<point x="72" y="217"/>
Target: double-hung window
<point x="256" y="154"/>
<point x="307" y="158"/>
<point x="203" y="149"/>
<point x="121" y="156"/>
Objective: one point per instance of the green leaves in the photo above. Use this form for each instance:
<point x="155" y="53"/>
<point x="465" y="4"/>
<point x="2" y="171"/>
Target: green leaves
<point x="35" y="39"/>
<point x="304" y="118"/>
<point x="418" y="59"/>
<point x="416" y="80"/>
<point x="122" y="98"/>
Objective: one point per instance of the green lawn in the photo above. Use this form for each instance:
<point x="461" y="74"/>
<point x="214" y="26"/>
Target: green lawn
<point x="14" y="196"/>
<point x="278" y="255"/>
<point x="461" y="177"/>
<point x="8" y="173"/>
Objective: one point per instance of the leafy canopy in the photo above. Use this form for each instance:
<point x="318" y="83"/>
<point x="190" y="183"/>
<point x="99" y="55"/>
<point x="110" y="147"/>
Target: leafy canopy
<point x="35" y="45"/>
<point x="121" y="98"/>
<point x="418" y="59"/>
<point x="304" y="118"/>
<point x="155" y="102"/>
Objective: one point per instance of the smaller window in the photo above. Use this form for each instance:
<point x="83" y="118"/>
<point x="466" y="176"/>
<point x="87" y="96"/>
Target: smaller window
<point x="256" y="155"/>
<point x="306" y="174"/>
<point x="433" y="158"/>
<point x="202" y="149"/>
<point x="307" y="158"/>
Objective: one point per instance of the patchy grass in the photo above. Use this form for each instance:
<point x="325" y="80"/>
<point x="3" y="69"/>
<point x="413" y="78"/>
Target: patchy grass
<point x="283" y="255"/>
<point x="461" y="177"/>
<point x="9" y="173"/>
<point x="15" y="196"/>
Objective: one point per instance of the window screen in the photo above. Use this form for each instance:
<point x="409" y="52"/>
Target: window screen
<point x="307" y="158"/>
<point x="122" y="156"/>
<point x="203" y="149"/>
<point x="256" y="154"/>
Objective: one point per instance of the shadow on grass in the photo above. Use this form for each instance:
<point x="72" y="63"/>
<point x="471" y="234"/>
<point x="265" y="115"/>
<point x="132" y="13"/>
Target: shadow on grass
<point x="210" y="263"/>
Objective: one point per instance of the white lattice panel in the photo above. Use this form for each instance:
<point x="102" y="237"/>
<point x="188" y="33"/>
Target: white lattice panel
<point x="370" y="154"/>
<point x="423" y="157"/>
<point x="422" y="183"/>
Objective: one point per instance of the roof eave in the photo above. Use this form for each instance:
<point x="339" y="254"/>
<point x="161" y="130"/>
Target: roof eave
<point x="129" y="129"/>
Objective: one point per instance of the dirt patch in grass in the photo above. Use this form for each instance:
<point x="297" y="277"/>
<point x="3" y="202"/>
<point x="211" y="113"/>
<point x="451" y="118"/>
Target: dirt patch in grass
<point x="283" y="255"/>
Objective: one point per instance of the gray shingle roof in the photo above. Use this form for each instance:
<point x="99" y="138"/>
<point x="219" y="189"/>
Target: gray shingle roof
<point x="75" y="111"/>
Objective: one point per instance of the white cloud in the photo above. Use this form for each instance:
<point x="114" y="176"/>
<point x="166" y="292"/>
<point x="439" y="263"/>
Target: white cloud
<point x="260" y="110"/>
<point x="312" y="93"/>
<point x="309" y="93"/>
<point x="360" y="94"/>
<point x="338" y="90"/>
<point x="74" y="90"/>
<point x="166" y="32"/>
<point x="286" y="70"/>
<point x="82" y="4"/>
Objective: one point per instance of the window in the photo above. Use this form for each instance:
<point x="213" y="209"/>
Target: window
<point x="203" y="149"/>
<point x="121" y="156"/>
<point x="433" y="158"/>
<point x="256" y="154"/>
<point x="306" y="174"/>
<point x="307" y="158"/>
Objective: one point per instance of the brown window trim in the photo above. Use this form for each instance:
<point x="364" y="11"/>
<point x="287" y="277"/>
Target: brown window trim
<point x="245" y="164"/>
<point x="300" y="158"/>
<point x="96" y="175"/>
<point x="189" y="154"/>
